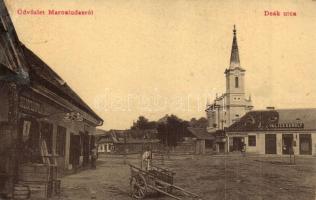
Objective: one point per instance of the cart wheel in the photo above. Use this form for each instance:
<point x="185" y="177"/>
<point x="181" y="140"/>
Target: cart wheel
<point x="138" y="186"/>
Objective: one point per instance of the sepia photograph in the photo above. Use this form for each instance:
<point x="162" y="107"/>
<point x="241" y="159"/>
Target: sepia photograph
<point x="157" y="100"/>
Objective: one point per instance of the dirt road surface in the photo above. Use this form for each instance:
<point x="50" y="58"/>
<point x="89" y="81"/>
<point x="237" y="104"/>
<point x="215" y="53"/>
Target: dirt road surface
<point x="229" y="177"/>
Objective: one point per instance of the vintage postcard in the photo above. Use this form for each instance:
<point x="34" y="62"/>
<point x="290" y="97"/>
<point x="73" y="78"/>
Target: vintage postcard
<point x="157" y="99"/>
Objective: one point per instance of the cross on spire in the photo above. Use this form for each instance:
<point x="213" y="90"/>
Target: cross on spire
<point x="234" y="30"/>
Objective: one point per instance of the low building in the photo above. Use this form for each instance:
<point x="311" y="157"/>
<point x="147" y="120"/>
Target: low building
<point x="204" y="141"/>
<point x="127" y="141"/>
<point x="220" y="142"/>
<point x="274" y="131"/>
<point x="105" y="142"/>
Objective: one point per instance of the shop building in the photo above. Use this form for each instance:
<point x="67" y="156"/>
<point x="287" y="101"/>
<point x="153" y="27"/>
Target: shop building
<point x="36" y="107"/>
<point x="274" y="131"/>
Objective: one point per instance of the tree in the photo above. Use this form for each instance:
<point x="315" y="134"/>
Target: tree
<point x="143" y="123"/>
<point x="200" y="123"/>
<point x="172" y="130"/>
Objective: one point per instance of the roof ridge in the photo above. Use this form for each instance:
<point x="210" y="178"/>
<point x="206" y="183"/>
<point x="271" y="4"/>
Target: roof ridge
<point x="283" y="109"/>
<point x="31" y="58"/>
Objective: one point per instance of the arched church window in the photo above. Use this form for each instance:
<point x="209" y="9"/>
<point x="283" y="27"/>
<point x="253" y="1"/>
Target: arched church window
<point x="236" y="82"/>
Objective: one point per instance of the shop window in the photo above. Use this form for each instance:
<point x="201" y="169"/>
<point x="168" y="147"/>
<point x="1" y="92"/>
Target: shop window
<point x="26" y="130"/>
<point x="61" y="141"/>
<point x="252" y="140"/>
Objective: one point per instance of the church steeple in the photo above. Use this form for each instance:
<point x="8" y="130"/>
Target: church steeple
<point x="234" y="57"/>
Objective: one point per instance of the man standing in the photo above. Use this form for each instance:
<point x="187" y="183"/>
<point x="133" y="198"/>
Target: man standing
<point x="146" y="159"/>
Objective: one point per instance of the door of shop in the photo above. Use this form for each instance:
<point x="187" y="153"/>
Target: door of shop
<point x="85" y="147"/>
<point x="75" y="150"/>
<point x="287" y="141"/>
<point x="238" y="143"/>
<point x="270" y="144"/>
<point x="305" y="144"/>
<point x="47" y="135"/>
<point x="221" y="147"/>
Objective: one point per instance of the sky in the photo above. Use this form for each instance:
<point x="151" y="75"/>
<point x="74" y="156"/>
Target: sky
<point x="157" y="57"/>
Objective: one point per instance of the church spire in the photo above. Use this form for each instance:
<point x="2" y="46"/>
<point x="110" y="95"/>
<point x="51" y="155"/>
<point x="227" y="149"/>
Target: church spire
<point x="234" y="57"/>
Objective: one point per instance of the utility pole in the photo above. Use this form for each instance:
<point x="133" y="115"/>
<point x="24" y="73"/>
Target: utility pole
<point x="125" y="149"/>
<point x="167" y="141"/>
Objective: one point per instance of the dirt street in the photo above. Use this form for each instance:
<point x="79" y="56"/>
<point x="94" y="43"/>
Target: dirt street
<point x="230" y="177"/>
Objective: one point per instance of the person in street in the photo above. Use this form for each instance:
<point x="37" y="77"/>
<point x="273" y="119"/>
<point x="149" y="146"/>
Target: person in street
<point x="243" y="148"/>
<point x="94" y="157"/>
<point x="146" y="159"/>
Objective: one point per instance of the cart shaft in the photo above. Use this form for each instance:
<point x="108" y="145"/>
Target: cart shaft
<point x="163" y="192"/>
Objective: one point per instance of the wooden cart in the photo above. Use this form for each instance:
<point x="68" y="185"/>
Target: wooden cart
<point x="156" y="179"/>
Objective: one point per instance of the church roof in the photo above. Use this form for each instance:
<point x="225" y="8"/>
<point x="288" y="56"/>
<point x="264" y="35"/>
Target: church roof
<point x="278" y="119"/>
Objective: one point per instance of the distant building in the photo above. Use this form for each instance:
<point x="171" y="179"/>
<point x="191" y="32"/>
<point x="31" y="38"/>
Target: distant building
<point x="229" y="107"/>
<point x="275" y="131"/>
<point x="203" y="140"/>
<point x="103" y="141"/>
<point x="127" y="141"/>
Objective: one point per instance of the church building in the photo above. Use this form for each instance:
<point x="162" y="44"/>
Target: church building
<point x="232" y="105"/>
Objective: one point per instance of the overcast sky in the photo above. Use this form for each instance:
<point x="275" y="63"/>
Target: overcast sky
<point x="156" y="57"/>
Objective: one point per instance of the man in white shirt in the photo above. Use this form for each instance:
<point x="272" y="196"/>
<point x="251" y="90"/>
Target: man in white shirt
<point x="146" y="159"/>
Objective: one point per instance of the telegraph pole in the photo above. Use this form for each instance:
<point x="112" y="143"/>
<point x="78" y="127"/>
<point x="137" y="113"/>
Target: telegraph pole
<point x="125" y="149"/>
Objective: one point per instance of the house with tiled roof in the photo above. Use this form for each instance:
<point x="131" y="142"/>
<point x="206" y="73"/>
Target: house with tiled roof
<point x="203" y="140"/>
<point x="127" y="141"/>
<point x="274" y="131"/>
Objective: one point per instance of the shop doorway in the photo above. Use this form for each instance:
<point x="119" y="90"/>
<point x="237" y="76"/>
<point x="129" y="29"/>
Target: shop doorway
<point x="238" y="143"/>
<point x="47" y="135"/>
<point x="85" y="147"/>
<point x="221" y="147"/>
<point x="305" y="144"/>
<point x="287" y="143"/>
<point x="270" y="144"/>
<point x="75" y="150"/>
